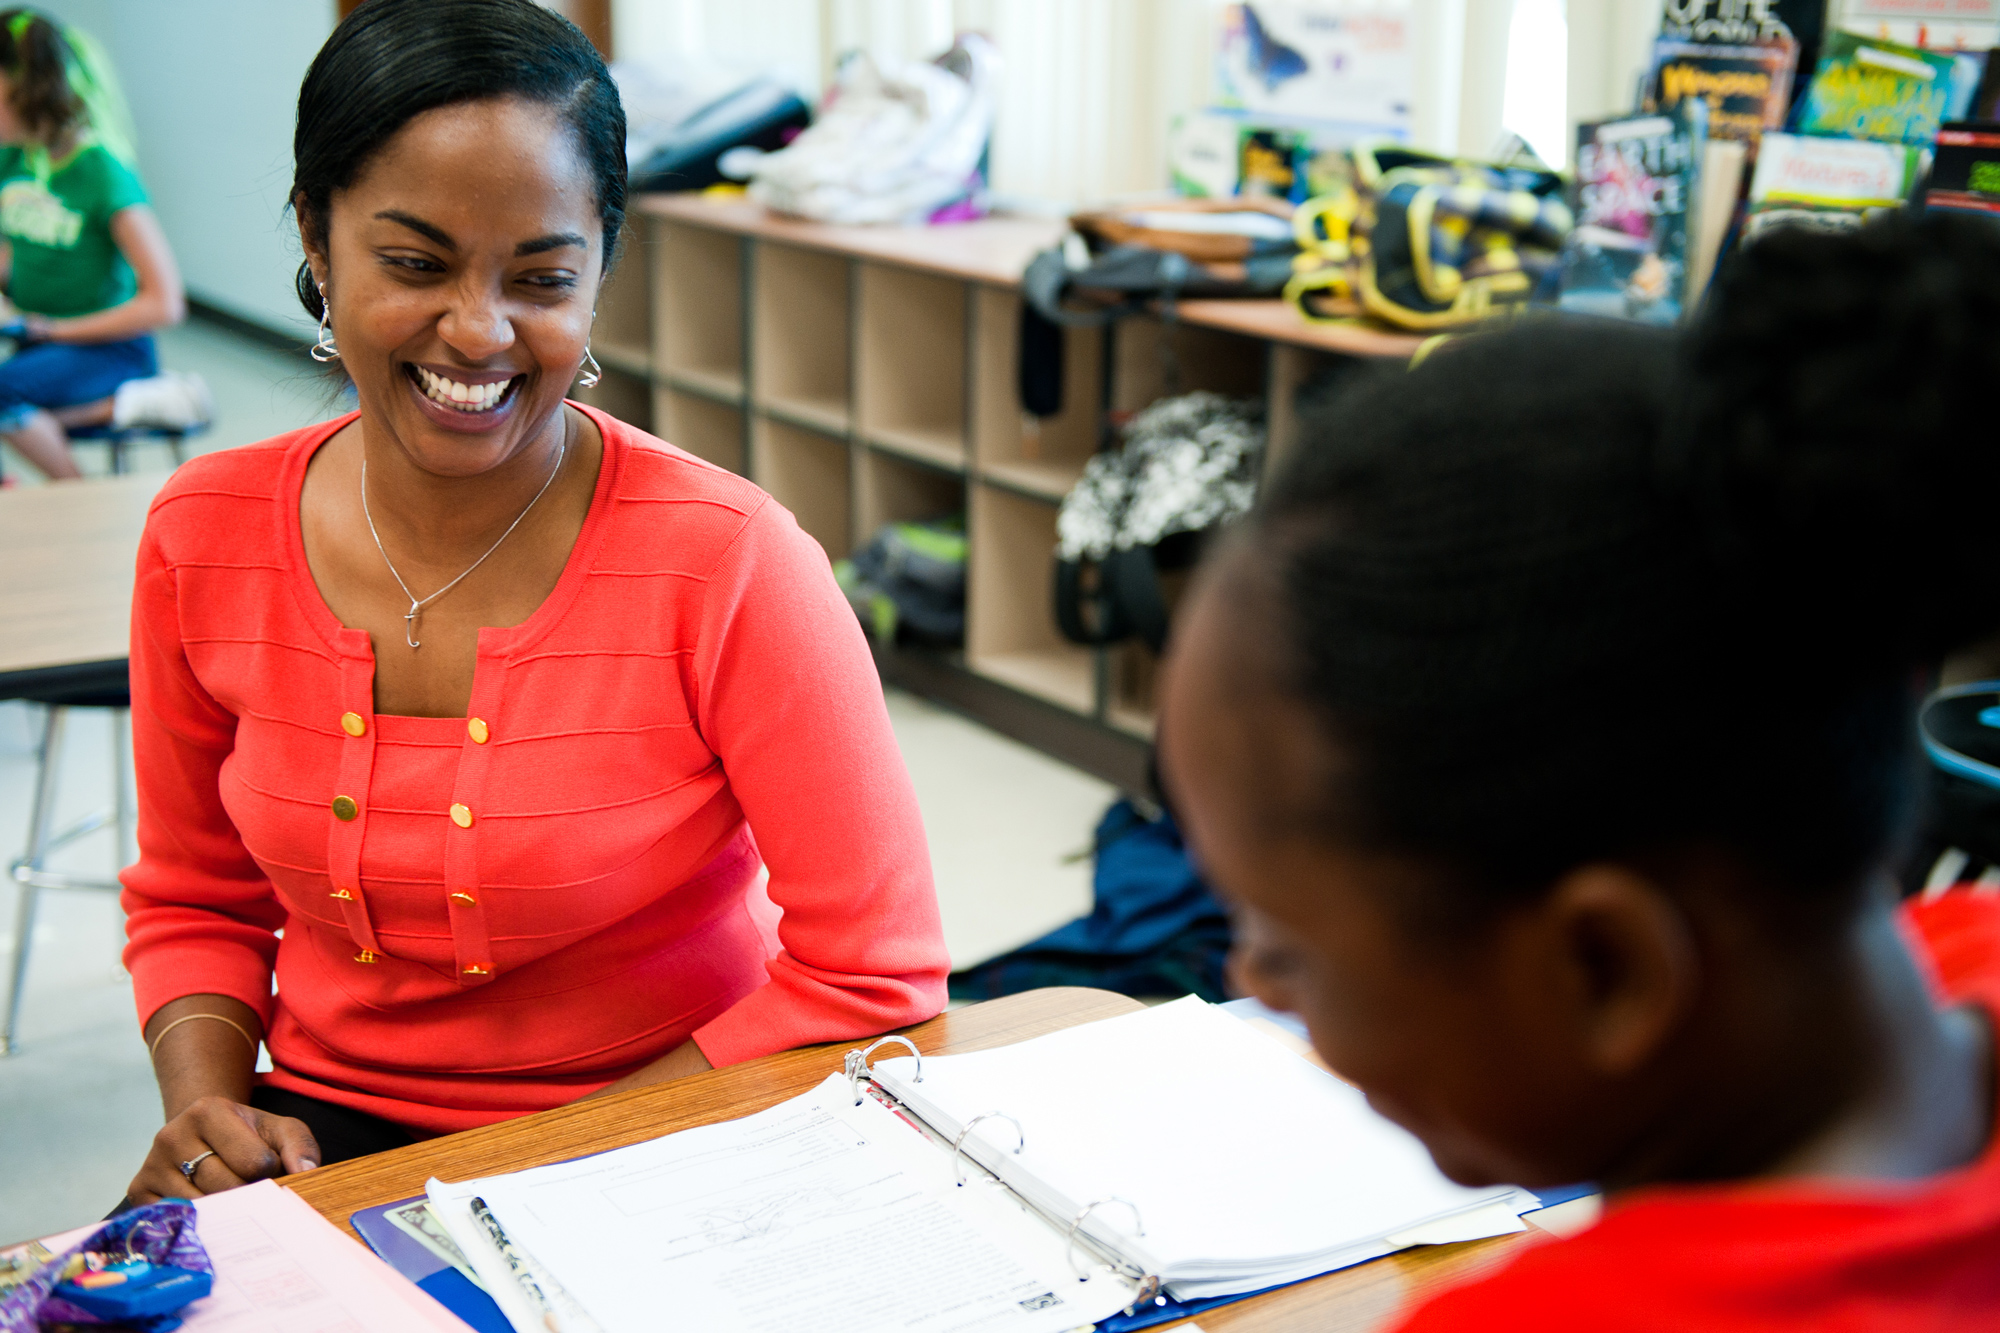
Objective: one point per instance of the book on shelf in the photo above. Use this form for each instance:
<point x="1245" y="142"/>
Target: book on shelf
<point x="1145" y="1164"/>
<point x="1638" y="213"/>
<point x="1965" y="172"/>
<point x="1884" y="91"/>
<point x="1936" y="25"/>
<point x="1831" y="183"/>
<point x="1746" y="88"/>
<point x="1723" y="166"/>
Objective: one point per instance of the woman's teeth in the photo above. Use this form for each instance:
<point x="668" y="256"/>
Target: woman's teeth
<point x="461" y="397"/>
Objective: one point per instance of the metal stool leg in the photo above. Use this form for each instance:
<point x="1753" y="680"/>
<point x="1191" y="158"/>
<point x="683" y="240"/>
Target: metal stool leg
<point x="41" y="828"/>
<point x="177" y="445"/>
<point x="118" y="454"/>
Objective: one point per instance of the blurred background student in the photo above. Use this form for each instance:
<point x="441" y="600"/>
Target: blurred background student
<point x="86" y="268"/>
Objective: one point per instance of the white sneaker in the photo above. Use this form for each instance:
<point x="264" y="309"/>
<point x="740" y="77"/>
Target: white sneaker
<point x="170" y="400"/>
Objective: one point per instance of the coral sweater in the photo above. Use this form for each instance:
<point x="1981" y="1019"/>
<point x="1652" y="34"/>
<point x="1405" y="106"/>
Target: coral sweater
<point x="472" y="918"/>
<point x="1784" y="1256"/>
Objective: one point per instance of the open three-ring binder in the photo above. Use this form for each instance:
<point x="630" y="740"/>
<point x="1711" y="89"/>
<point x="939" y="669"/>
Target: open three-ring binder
<point x="1036" y="1188"/>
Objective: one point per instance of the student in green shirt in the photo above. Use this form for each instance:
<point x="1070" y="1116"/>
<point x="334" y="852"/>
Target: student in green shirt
<point x="82" y="257"/>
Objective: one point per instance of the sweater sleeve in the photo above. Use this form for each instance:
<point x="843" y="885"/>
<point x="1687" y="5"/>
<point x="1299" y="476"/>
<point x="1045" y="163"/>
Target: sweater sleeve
<point x="790" y="701"/>
<point x="201" y="918"/>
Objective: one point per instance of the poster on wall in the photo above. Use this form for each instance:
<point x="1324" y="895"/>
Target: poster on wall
<point x="1345" y="61"/>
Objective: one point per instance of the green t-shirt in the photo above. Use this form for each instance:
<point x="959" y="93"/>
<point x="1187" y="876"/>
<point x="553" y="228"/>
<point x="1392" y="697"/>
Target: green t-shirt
<point x="65" y="260"/>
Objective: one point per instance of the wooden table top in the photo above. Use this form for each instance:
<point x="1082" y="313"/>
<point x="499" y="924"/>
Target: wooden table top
<point x="1351" y="1300"/>
<point x="67" y="550"/>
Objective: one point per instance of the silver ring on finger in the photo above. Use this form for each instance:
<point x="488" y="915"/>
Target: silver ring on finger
<point x="187" y="1167"/>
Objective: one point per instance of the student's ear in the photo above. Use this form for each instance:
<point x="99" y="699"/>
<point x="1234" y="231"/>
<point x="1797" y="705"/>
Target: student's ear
<point x="1627" y="964"/>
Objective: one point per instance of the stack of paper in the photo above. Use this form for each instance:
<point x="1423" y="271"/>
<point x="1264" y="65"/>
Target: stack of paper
<point x="816" y="1214"/>
<point x="1247" y="1166"/>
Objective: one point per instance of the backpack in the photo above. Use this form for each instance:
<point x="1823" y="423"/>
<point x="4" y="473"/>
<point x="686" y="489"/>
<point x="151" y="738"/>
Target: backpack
<point x="1428" y="243"/>
<point x="1119" y="261"/>
<point x="1186" y="466"/>
<point x="910" y="580"/>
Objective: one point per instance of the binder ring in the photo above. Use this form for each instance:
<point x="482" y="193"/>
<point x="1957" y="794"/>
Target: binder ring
<point x="1069" y="1240"/>
<point x="958" y="1144"/>
<point x="856" y="1066"/>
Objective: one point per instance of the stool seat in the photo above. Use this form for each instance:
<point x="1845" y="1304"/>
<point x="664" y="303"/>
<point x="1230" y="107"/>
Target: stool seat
<point x="119" y="438"/>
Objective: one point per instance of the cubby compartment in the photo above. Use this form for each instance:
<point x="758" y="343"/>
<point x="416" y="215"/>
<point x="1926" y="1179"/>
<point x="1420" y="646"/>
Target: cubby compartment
<point x="891" y="489"/>
<point x="1152" y="360"/>
<point x="800" y="316"/>
<point x="1134" y="678"/>
<point x="705" y="428"/>
<point x="624" y="395"/>
<point x="1011" y="634"/>
<point x="622" y="337"/>
<point x="1040" y="455"/>
<point x="910" y="386"/>
<point x="1296" y="369"/>
<point x="807" y="473"/>
<point x="697" y="277"/>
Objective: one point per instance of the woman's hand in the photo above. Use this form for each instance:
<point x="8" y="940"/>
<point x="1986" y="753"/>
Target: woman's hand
<point x="236" y="1144"/>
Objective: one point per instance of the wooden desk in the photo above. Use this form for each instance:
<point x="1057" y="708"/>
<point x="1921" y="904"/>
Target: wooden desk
<point x="66" y="556"/>
<point x="1353" y="1299"/>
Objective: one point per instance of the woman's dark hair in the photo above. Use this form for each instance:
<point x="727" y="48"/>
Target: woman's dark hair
<point x="391" y="60"/>
<point x="1581" y="592"/>
<point x="37" y="62"/>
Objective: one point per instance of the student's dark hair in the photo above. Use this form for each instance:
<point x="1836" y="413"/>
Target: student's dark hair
<point x="391" y="60"/>
<point x="37" y="64"/>
<point x="1578" y="592"/>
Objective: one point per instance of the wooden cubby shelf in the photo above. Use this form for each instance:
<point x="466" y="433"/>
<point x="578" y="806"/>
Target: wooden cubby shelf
<point x="889" y="488"/>
<point x="910" y="363"/>
<point x="697" y="281"/>
<point x="705" y="428"/>
<point x="808" y="473"/>
<point x="1010" y="634"/>
<point x="800" y="315"/>
<point x="870" y="375"/>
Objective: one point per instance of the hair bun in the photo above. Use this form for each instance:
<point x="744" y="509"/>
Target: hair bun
<point x="1839" y="438"/>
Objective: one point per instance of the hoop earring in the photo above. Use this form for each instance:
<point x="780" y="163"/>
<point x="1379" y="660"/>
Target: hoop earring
<point x="324" y="350"/>
<point x="590" y="372"/>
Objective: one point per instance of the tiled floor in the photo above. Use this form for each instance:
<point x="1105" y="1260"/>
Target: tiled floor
<point x="78" y="1105"/>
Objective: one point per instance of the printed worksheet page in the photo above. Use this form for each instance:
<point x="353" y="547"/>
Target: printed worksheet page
<point x="817" y="1213"/>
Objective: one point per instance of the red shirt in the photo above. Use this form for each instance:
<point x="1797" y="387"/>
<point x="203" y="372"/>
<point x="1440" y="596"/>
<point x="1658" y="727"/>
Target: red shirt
<point x="472" y="918"/>
<point x="1922" y="1257"/>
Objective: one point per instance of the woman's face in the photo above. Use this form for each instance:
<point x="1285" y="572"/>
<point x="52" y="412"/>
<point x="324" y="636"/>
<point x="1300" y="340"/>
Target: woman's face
<point x="461" y="269"/>
<point x="1451" y="1040"/>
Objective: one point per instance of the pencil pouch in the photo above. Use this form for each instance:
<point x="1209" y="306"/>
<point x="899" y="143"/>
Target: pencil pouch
<point x="160" y="1261"/>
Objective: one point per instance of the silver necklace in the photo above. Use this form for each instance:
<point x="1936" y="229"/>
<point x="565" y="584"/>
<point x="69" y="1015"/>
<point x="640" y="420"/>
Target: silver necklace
<point x="417" y="604"/>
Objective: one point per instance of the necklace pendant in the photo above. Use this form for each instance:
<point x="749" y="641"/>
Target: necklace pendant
<point x="410" y="626"/>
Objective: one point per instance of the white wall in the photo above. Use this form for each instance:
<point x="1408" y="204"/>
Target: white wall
<point x="213" y="86"/>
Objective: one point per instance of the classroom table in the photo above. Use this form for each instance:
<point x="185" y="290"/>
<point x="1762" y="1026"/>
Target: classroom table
<point x="1348" y="1301"/>
<point x="66" y="556"/>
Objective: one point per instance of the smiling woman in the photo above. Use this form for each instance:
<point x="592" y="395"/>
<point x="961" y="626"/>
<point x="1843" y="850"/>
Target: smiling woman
<point x="454" y="716"/>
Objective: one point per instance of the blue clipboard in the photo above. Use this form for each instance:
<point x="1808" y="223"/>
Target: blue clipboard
<point x="445" y="1284"/>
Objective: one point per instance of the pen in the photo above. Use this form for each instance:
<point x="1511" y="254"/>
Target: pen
<point x="517" y="1263"/>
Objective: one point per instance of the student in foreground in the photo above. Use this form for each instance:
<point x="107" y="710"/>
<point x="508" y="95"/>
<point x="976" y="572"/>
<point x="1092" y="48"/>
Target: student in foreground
<point x="1551" y="728"/>
<point x="454" y="716"/>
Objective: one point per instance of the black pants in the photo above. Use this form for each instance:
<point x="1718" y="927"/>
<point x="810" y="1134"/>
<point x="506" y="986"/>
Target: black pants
<point x="343" y="1132"/>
